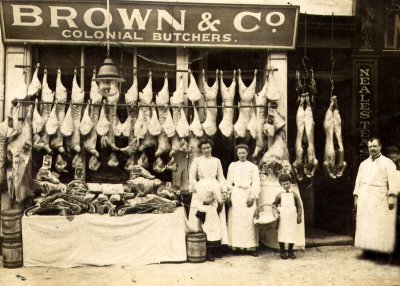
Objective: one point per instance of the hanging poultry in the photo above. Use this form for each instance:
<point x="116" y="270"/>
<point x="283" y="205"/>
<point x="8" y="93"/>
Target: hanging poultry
<point x="246" y="95"/>
<point x="228" y="95"/>
<point x="334" y="164"/>
<point x="210" y="97"/>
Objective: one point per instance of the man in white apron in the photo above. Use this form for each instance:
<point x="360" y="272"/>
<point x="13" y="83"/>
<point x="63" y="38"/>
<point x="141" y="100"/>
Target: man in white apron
<point x="375" y="195"/>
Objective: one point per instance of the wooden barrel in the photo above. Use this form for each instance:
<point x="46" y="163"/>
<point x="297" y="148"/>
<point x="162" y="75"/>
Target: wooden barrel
<point x="11" y="224"/>
<point x="12" y="254"/>
<point x="196" y="247"/>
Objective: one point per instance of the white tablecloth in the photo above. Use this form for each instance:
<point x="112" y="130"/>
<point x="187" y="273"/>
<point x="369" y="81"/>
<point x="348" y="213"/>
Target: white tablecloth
<point x="92" y="239"/>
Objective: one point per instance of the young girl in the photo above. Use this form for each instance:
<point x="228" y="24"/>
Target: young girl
<point x="290" y="215"/>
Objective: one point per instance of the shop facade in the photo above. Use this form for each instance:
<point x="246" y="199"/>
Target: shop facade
<point x="174" y="37"/>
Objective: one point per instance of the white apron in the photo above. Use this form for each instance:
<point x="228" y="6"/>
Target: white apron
<point x="287" y="230"/>
<point x="241" y="230"/>
<point x="214" y="226"/>
<point x="375" y="229"/>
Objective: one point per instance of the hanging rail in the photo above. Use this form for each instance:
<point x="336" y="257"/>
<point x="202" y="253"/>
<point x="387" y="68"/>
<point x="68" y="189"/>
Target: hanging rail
<point x="160" y="70"/>
<point x="135" y="106"/>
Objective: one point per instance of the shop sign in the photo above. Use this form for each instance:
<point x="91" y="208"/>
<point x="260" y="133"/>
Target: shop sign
<point x="365" y="88"/>
<point x="150" y="24"/>
<point x="392" y="31"/>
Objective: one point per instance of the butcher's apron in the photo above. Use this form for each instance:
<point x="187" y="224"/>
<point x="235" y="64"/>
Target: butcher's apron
<point x="241" y="230"/>
<point x="288" y="218"/>
<point x="211" y="223"/>
<point x="375" y="225"/>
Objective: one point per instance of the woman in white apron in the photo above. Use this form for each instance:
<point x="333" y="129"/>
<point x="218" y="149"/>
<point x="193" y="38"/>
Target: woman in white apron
<point x="243" y="183"/>
<point x="289" y="206"/>
<point x="206" y="174"/>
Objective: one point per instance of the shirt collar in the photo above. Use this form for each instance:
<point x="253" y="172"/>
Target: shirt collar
<point x="376" y="157"/>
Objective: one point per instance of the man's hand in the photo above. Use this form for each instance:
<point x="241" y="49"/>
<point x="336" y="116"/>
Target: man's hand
<point x="298" y="219"/>
<point x="392" y="201"/>
<point x="355" y="201"/>
<point x="250" y="202"/>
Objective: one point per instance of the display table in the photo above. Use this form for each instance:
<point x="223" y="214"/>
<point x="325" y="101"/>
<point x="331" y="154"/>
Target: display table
<point x="92" y="239"/>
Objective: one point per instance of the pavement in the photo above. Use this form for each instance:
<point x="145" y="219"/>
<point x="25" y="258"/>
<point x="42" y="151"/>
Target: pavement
<point x="325" y="265"/>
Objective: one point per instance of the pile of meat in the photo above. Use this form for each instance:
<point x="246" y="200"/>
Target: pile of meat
<point x="143" y="193"/>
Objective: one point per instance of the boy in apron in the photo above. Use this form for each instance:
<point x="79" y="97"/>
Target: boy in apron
<point x="290" y="215"/>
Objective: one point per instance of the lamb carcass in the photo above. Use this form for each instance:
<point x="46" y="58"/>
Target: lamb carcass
<point x="337" y="129"/>
<point x="20" y="89"/>
<point x="252" y="126"/>
<point x="312" y="162"/>
<point x="246" y="95"/>
<point x="278" y="149"/>
<point x="261" y="100"/>
<point x="332" y="126"/>
<point x="77" y="97"/>
<point x="196" y="132"/>
<point x="228" y="95"/>
<point x="108" y="140"/>
<point x="131" y="97"/>
<point x="177" y="99"/>
<point x="162" y="100"/>
<point x="95" y="99"/>
<point x="193" y="92"/>
<point x="61" y="98"/>
<point x="35" y="85"/>
<point x="210" y="97"/>
<point x="145" y="98"/>
<point x="86" y="124"/>
<point x="103" y="124"/>
<point x="67" y="126"/>
<point x="154" y="125"/>
<point x="52" y="124"/>
<point x="48" y="97"/>
<point x="273" y="92"/>
<point x="37" y="121"/>
<point x="300" y="123"/>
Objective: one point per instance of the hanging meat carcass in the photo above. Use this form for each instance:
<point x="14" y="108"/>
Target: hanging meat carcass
<point x="86" y="124"/>
<point x="196" y="132"/>
<point x="35" y="85"/>
<point x="20" y="89"/>
<point x="228" y="95"/>
<point x="67" y="126"/>
<point x="246" y="95"/>
<point x="305" y="163"/>
<point x="210" y="97"/>
<point x="177" y="99"/>
<point x="154" y="125"/>
<point x="131" y="98"/>
<point x="19" y="157"/>
<point x="261" y="100"/>
<point x="61" y="98"/>
<point x="48" y="97"/>
<point x="162" y="100"/>
<point x="193" y="92"/>
<point x="145" y="98"/>
<point x="77" y="97"/>
<point x="312" y="162"/>
<point x="95" y="99"/>
<point x="3" y="149"/>
<point x="334" y="164"/>
<point x="37" y="124"/>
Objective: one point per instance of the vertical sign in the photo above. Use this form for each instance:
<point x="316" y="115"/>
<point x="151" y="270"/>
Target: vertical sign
<point x="365" y="88"/>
